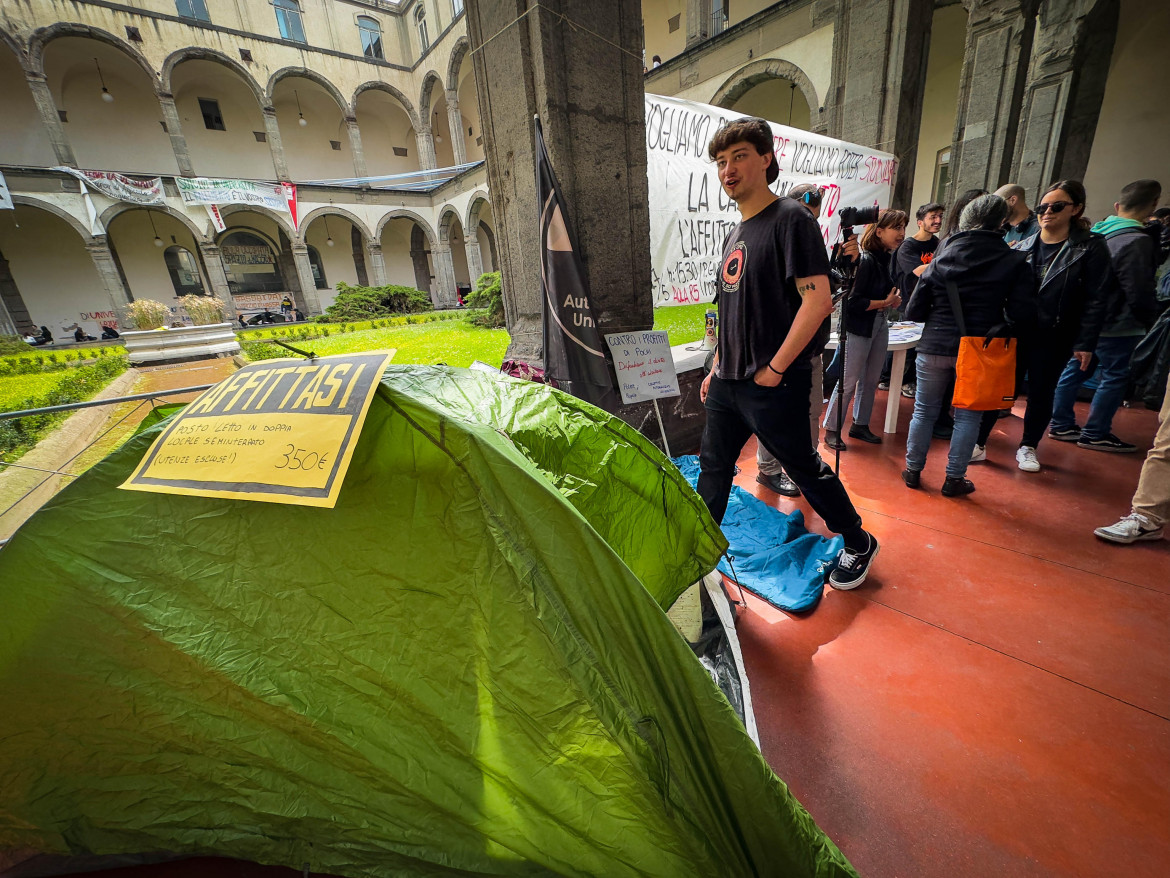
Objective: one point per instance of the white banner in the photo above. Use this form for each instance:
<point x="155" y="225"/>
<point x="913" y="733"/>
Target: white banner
<point x="5" y="196"/>
<point x="690" y="215"/>
<point x="204" y="190"/>
<point x="217" y="222"/>
<point x="120" y="187"/>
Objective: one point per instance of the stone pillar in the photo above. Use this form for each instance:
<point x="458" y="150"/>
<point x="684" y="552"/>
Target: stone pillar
<point x="377" y="263"/>
<point x="170" y="114"/>
<point x="13" y="311"/>
<point x="111" y="277"/>
<point x="275" y="146"/>
<point x="876" y="99"/>
<point x="582" y="73"/>
<point x="311" y="306"/>
<point x="698" y="23"/>
<point x="217" y="277"/>
<point x="426" y="148"/>
<point x="418" y="256"/>
<point x="47" y="107"/>
<point x="355" y="146"/>
<point x="455" y="123"/>
<point x="474" y="258"/>
<point x="445" y="296"/>
<point x="991" y="88"/>
<point x="1071" y="52"/>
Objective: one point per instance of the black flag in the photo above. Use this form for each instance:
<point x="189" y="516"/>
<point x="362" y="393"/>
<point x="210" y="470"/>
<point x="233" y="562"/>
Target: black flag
<point x="574" y="352"/>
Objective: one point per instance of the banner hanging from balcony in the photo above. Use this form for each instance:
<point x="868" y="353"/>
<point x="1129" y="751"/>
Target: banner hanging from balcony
<point x="120" y="187"/>
<point x="5" y="197"/>
<point x="690" y="214"/>
<point x="205" y="190"/>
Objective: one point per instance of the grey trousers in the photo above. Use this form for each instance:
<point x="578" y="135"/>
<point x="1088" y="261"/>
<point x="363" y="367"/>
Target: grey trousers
<point x="770" y="466"/>
<point x="864" y="358"/>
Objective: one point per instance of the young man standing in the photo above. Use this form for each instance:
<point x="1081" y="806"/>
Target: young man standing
<point x="910" y="260"/>
<point x="1021" y="221"/>
<point x="773" y="296"/>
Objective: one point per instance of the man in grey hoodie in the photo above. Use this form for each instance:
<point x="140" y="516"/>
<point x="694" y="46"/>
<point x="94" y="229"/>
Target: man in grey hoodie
<point x="1133" y="249"/>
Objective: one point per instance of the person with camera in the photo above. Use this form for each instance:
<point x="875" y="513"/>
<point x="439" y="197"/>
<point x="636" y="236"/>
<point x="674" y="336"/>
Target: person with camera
<point x="994" y="287"/>
<point x="774" y="294"/>
<point x="866" y="329"/>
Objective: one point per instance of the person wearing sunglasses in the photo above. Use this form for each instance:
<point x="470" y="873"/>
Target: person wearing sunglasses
<point x="1075" y="286"/>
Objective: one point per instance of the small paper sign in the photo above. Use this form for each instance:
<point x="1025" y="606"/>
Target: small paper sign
<point x="644" y="365"/>
<point x="279" y="431"/>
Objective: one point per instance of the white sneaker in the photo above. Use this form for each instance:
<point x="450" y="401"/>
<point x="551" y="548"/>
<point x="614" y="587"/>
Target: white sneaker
<point x="980" y="453"/>
<point x="1026" y="458"/>
<point x="1131" y="529"/>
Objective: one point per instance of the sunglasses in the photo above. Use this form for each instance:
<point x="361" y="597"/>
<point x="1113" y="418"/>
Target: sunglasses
<point x="1054" y="206"/>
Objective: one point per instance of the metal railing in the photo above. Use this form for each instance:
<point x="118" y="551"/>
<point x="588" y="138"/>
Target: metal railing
<point x="718" y="23"/>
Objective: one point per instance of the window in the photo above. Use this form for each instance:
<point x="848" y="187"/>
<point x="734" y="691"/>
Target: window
<point x="288" y="17"/>
<point x="212" y="118"/>
<point x="371" y="33"/>
<point x="942" y="173"/>
<point x="457" y="7"/>
<point x="420" y="17"/>
<point x="318" y="267"/>
<point x="250" y="264"/>
<point x="674" y="23"/>
<point x="184" y="271"/>
<point x="196" y="9"/>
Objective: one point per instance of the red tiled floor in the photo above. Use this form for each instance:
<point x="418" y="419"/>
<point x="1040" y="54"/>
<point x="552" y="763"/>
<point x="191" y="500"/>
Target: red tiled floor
<point x="995" y="700"/>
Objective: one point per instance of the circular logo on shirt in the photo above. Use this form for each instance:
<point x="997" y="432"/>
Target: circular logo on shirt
<point x="732" y="271"/>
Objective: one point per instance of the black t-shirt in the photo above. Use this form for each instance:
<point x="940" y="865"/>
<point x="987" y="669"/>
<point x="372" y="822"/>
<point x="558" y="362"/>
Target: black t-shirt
<point x="909" y="256"/>
<point x="762" y="257"/>
<point x="1043" y="256"/>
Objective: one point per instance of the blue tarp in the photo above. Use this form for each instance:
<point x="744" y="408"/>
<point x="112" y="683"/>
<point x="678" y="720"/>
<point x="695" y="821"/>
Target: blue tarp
<point x="774" y="554"/>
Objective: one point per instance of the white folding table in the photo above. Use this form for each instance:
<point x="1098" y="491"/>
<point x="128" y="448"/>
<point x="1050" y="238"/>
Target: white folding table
<point x="907" y="336"/>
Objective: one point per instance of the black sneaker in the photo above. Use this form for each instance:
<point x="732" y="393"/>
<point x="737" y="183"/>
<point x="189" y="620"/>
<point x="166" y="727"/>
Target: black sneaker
<point x="779" y="483"/>
<point x="833" y="440"/>
<point x="853" y="567"/>
<point x="912" y="478"/>
<point x="957" y="487"/>
<point x="1107" y="443"/>
<point x="1065" y="434"/>
<point x="864" y="434"/>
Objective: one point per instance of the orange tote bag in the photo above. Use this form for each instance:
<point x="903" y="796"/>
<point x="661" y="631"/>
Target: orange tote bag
<point x="985" y="371"/>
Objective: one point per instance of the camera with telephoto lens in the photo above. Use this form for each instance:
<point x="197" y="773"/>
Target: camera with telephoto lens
<point x="856" y="216"/>
<point x="844" y="268"/>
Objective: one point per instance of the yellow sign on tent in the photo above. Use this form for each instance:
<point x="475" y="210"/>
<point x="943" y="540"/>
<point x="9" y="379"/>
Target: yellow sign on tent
<point x="278" y="431"/>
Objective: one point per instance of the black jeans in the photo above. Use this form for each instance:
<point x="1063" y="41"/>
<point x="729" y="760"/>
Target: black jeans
<point x="778" y="416"/>
<point x="1042" y="359"/>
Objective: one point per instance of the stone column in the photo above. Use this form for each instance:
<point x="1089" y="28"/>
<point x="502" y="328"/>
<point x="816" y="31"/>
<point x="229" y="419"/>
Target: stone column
<point x="275" y="146"/>
<point x="377" y="263"/>
<point x="1070" y="60"/>
<point x="474" y="258"/>
<point x="355" y="146"/>
<point x="445" y="296"/>
<point x="991" y="88"/>
<point x="217" y="277"/>
<point x="418" y="256"/>
<point x="455" y="123"/>
<point x="47" y="107"/>
<point x="170" y="114"/>
<point x="312" y="302"/>
<point x="111" y="278"/>
<point x="426" y="148"/>
<point x="588" y="92"/>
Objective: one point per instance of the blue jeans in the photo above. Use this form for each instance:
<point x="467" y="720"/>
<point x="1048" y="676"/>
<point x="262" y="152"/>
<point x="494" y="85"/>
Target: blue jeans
<point x="1113" y="356"/>
<point x="934" y="380"/>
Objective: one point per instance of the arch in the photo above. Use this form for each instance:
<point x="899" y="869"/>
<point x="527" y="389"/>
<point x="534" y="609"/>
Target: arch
<point x="333" y="210"/>
<point x="458" y="52"/>
<point x="410" y="215"/>
<point x="14" y="44"/>
<point x="283" y="221"/>
<point x="478" y="199"/>
<point x="446" y="214"/>
<point x="378" y="85"/>
<point x="306" y="73"/>
<point x="424" y="103"/>
<point x="114" y="211"/>
<point x="198" y="53"/>
<point x="45" y="35"/>
<point x="751" y="75"/>
<point x="86" y="235"/>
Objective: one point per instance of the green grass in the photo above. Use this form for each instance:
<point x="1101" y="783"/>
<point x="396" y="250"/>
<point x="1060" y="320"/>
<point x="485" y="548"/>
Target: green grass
<point x="684" y="323"/>
<point x="18" y="389"/>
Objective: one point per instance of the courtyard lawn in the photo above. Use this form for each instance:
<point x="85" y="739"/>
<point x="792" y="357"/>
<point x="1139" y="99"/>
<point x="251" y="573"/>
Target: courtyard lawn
<point x="15" y="390"/>
<point x="684" y="323"/>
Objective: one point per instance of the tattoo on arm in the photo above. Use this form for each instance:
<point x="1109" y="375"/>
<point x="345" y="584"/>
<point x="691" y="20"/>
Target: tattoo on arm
<point x="806" y="288"/>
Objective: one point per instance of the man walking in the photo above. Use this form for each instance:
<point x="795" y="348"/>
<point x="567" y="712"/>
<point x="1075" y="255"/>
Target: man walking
<point x="1021" y="221"/>
<point x="1133" y="249"/>
<point x="773" y="296"/>
<point x="1151" y="502"/>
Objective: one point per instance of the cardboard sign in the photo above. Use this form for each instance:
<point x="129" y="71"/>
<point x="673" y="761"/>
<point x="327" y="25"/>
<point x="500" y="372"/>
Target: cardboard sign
<point x="279" y="431"/>
<point x="644" y="365"/>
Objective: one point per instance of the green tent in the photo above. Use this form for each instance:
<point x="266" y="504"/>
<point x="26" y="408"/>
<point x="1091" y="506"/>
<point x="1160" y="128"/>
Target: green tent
<point x="462" y="669"/>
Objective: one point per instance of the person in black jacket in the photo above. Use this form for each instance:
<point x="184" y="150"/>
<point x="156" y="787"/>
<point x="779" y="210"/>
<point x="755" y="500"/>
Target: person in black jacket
<point x="994" y="287"/>
<point x="1133" y="248"/>
<point x="1075" y="286"/>
<point x="867" y="332"/>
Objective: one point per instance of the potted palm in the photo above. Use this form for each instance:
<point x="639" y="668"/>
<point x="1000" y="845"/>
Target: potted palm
<point x="154" y="341"/>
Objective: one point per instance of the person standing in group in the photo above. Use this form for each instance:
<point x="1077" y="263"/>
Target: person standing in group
<point x="773" y="295"/>
<point x="1133" y="249"/>
<point x="910" y="261"/>
<point x="1075" y="286"/>
<point x="866" y="329"/>
<point x="994" y="287"/>
<point x="951" y="223"/>
<point x="1021" y="222"/>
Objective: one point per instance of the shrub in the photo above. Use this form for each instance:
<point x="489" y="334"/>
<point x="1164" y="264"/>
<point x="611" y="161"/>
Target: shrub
<point x="489" y="295"/>
<point x="203" y="310"/>
<point x="368" y="303"/>
<point x="148" y="314"/>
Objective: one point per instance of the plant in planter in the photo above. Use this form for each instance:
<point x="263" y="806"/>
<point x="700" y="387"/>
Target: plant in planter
<point x="148" y="314"/>
<point x="203" y="310"/>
